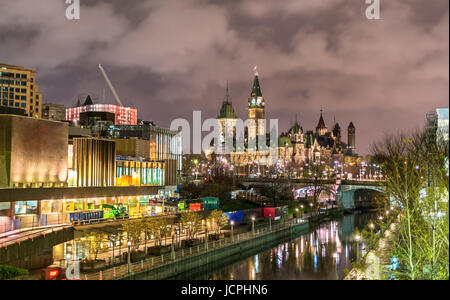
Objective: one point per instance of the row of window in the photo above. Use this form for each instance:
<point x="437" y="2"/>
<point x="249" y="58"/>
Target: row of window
<point x="16" y="104"/>
<point x="12" y="82"/>
<point x="14" y="75"/>
<point x="4" y="89"/>
<point x="17" y="97"/>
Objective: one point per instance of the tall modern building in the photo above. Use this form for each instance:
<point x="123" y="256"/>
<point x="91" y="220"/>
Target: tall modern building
<point x="438" y="121"/>
<point x="18" y="89"/>
<point x="123" y="115"/>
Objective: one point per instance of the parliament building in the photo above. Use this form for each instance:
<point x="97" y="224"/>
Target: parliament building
<point x="295" y="147"/>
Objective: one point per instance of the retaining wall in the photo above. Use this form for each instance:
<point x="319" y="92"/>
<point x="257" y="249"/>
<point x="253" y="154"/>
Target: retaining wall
<point x="221" y="255"/>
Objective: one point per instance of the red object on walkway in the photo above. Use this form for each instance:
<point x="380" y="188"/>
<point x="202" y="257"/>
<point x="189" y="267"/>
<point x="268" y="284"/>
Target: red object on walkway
<point x="195" y="206"/>
<point x="269" y="212"/>
<point x="51" y="273"/>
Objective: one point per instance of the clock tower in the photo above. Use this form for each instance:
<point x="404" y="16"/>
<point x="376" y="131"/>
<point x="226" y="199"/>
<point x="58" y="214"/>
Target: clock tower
<point x="256" y="110"/>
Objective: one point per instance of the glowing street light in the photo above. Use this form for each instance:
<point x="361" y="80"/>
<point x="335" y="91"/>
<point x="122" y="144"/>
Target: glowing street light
<point x="253" y="225"/>
<point x="232" y="235"/>
<point x="129" y="256"/>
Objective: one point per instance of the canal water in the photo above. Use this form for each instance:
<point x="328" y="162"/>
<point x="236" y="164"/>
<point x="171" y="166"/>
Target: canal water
<point x="324" y="253"/>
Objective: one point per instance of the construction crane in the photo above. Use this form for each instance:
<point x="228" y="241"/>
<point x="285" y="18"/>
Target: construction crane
<point x="113" y="90"/>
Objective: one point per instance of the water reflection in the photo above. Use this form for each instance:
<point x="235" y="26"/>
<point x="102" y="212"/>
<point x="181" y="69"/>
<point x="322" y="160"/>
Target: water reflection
<point x="322" y="254"/>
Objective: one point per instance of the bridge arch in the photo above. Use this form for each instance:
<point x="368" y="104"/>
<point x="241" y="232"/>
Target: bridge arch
<point x="345" y="195"/>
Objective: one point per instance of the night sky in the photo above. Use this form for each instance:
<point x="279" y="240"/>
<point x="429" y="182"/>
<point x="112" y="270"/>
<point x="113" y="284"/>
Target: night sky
<point x="169" y="58"/>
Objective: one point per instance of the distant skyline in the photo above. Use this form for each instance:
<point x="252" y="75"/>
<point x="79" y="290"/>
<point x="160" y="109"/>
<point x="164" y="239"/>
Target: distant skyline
<point x="168" y="58"/>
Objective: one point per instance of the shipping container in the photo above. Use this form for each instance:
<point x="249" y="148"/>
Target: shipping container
<point x="195" y="206"/>
<point x="85" y="216"/>
<point x="256" y="213"/>
<point x="210" y="203"/>
<point x="269" y="212"/>
<point x="236" y="216"/>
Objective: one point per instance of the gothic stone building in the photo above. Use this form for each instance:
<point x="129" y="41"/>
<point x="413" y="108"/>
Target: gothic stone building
<point x="295" y="146"/>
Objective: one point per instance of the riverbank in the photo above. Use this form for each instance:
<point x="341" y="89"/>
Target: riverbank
<point x="376" y="265"/>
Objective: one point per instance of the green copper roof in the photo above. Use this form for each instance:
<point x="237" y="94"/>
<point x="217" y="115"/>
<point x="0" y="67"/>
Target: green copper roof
<point x="295" y="128"/>
<point x="256" y="90"/>
<point x="309" y="139"/>
<point x="227" y="111"/>
<point x="282" y="141"/>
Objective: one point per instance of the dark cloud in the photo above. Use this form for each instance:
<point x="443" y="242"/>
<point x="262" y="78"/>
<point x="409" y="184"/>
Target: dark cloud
<point x="171" y="57"/>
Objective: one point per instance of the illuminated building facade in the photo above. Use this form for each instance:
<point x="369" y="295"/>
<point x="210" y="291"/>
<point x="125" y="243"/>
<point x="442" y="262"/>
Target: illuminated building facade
<point x="295" y="147"/>
<point x="164" y="146"/>
<point x="93" y="162"/>
<point x="33" y="152"/>
<point x="123" y="115"/>
<point x="18" y="89"/>
<point x="138" y="173"/>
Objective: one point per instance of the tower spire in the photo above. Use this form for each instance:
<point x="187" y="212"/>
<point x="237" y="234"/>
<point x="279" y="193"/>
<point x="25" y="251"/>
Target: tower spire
<point x="256" y="89"/>
<point x="227" y="97"/>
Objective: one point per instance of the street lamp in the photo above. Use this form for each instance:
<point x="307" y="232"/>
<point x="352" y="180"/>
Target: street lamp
<point x="232" y="234"/>
<point x="253" y="225"/>
<point x="357" y="238"/>
<point x="270" y="222"/>
<point x="129" y="257"/>
<point x="372" y="226"/>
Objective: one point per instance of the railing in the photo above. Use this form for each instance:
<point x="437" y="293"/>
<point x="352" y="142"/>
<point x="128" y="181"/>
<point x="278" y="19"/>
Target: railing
<point x="8" y="227"/>
<point x="34" y="234"/>
<point x="151" y="262"/>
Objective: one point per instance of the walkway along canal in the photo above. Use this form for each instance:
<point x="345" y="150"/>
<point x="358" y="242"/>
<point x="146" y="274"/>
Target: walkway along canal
<point x="178" y="262"/>
<point x="329" y="244"/>
<point x="325" y="252"/>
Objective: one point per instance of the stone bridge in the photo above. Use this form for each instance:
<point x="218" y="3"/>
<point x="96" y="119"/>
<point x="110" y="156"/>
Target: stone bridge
<point x="344" y="190"/>
<point x="345" y="195"/>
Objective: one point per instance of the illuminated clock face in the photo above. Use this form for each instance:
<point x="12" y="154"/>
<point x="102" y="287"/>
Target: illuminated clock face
<point x="258" y="101"/>
<point x="253" y="101"/>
